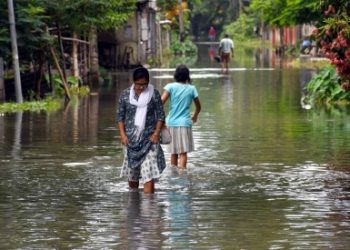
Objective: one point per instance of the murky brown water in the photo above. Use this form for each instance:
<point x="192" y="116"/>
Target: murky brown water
<point x="266" y="173"/>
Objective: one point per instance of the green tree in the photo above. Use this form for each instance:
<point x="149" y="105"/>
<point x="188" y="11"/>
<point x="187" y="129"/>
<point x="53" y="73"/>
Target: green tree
<point x="33" y="17"/>
<point x="73" y="15"/>
<point x="281" y="13"/>
<point x="242" y="28"/>
<point x="286" y="12"/>
<point x="167" y="5"/>
<point x="213" y="13"/>
<point x="30" y="23"/>
<point x="81" y="17"/>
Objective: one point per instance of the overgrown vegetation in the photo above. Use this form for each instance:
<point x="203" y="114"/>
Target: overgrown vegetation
<point x="325" y="88"/>
<point x="242" y="29"/>
<point x="182" y="49"/>
<point x="41" y="26"/>
<point x="187" y="48"/>
<point x="280" y="13"/>
<point x="333" y="36"/>
<point x="49" y="104"/>
<point x="206" y="13"/>
<point x="332" y="19"/>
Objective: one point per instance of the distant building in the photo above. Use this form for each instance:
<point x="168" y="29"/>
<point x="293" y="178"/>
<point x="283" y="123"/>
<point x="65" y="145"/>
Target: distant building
<point x="134" y="43"/>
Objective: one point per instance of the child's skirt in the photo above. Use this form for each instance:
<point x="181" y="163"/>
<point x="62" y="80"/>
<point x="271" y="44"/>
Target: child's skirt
<point x="181" y="140"/>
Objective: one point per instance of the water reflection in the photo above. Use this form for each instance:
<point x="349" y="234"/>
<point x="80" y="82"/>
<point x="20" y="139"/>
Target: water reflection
<point x="179" y="217"/>
<point x="30" y="136"/>
<point x="142" y="227"/>
<point x="83" y="116"/>
<point x="227" y="90"/>
<point x="212" y="53"/>
<point x="16" y="148"/>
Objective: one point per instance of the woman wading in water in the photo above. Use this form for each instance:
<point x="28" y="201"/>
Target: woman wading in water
<point x="140" y="117"/>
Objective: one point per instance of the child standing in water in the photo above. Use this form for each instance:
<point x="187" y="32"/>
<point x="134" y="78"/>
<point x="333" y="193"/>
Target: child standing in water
<point x="179" y="119"/>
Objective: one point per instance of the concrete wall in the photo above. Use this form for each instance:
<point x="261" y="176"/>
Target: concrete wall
<point x="137" y="39"/>
<point x="127" y="41"/>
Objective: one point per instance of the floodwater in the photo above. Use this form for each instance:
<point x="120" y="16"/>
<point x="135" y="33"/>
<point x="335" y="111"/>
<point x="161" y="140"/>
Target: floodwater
<point x="266" y="173"/>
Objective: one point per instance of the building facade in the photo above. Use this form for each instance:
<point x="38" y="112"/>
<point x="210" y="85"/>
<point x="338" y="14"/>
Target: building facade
<point x="134" y="43"/>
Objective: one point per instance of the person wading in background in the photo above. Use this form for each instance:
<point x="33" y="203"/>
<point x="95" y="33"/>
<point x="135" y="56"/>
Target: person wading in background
<point x="226" y="51"/>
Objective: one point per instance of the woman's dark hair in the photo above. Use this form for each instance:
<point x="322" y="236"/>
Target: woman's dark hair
<point x="140" y="73"/>
<point x="182" y="74"/>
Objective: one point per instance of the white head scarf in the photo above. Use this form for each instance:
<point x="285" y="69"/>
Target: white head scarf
<point x="142" y="102"/>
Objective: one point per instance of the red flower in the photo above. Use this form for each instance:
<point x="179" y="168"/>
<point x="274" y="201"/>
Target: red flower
<point x="347" y="53"/>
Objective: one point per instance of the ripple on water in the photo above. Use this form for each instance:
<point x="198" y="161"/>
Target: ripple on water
<point x="77" y="164"/>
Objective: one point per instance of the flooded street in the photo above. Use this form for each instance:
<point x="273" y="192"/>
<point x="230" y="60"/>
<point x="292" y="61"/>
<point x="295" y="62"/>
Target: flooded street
<point x="266" y="173"/>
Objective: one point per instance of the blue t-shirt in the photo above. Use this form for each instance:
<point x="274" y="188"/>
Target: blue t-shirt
<point x="181" y="98"/>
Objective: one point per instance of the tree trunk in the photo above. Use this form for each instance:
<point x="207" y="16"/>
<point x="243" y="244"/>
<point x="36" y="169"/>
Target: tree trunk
<point x="181" y="22"/>
<point x="282" y="37"/>
<point x="62" y="52"/>
<point x="52" y="86"/>
<point x="93" y="51"/>
<point x="57" y="64"/>
<point x="75" y="56"/>
<point x="41" y="74"/>
<point x="85" y="60"/>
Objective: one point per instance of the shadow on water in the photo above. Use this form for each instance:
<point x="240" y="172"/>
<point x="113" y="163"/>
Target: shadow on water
<point x="266" y="173"/>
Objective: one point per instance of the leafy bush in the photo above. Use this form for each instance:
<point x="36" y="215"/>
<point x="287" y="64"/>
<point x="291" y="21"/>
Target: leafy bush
<point x="333" y="36"/>
<point x="242" y="29"/>
<point x="183" y="48"/>
<point x="325" y="88"/>
<point x="73" y="83"/>
<point x="153" y="61"/>
<point x="79" y="91"/>
<point x="48" y="104"/>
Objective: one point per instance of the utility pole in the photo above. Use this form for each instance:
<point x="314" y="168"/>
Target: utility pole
<point x="2" y="81"/>
<point x="160" y="47"/>
<point x="181" y="21"/>
<point x="18" y="86"/>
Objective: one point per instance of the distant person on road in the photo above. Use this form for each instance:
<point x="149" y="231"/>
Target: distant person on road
<point x="140" y="117"/>
<point x="306" y="46"/>
<point x="226" y="51"/>
<point x="212" y="34"/>
<point x="179" y="120"/>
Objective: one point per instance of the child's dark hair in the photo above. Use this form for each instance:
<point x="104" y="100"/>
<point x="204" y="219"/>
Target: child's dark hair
<point x="140" y="73"/>
<point x="182" y="74"/>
